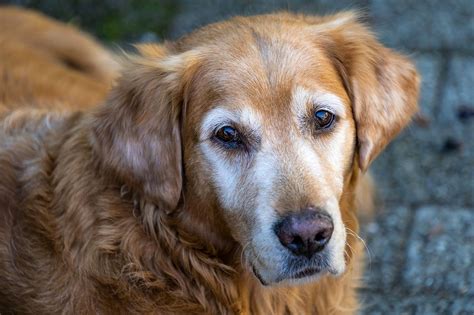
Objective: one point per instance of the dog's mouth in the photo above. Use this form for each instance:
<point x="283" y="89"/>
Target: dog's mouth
<point x="296" y="270"/>
<point x="301" y="274"/>
<point x="307" y="272"/>
<point x="258" y="276"/>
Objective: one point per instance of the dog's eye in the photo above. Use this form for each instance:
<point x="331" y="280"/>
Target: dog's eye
<point x="228" y="136"/>
<point x="324" y="119"/>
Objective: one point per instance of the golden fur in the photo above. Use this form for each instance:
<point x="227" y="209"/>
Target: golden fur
<point x="108" y="211"/>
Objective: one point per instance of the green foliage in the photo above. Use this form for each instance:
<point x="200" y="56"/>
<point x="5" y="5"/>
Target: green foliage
<point x="110" y="20"/>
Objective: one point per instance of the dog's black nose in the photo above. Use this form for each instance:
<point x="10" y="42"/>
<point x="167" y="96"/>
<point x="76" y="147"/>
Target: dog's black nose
<point x="305" y="232"/>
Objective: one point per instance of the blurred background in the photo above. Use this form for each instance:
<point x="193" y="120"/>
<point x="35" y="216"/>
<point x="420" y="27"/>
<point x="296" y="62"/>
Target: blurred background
<point x="420" y="246"/>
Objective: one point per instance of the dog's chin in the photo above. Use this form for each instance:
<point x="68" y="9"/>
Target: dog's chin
<point x="299" y="277"/>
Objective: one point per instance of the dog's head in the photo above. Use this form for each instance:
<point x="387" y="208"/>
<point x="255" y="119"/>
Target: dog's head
<point x="257" y="126"/>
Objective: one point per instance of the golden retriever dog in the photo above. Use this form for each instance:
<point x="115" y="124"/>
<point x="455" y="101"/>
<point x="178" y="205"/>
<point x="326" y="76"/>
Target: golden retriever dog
<point x="218" y="177"/>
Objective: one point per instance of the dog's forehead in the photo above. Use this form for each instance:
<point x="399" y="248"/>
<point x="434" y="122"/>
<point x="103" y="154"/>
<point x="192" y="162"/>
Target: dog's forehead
<point x="265" y="70"/>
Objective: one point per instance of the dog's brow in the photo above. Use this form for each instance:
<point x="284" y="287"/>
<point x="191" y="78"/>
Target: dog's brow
<point x="220" y="116"/>
<point x="302" y="96"/>
<point x="330" y="100"/>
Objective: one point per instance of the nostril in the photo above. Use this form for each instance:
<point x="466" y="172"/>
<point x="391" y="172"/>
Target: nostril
<point x="296" y="244"/>
<point x="297" y="241"/>
<point x="321" y="237"/>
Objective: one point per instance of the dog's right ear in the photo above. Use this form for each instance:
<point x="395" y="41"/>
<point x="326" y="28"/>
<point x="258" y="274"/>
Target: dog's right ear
<point x="136" y="134"/>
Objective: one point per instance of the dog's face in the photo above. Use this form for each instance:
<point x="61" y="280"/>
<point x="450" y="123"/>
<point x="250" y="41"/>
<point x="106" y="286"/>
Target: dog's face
<point x="275" y="144"/>
<point x="273" y="112"/>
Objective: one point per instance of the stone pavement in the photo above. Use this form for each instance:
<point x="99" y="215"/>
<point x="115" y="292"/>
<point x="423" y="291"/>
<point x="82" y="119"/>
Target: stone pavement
<point x="421" y="243"/>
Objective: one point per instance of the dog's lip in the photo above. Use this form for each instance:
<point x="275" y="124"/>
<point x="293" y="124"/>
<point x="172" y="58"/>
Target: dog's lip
<point x="258" y="276"/>
<point x="306" y="272"/>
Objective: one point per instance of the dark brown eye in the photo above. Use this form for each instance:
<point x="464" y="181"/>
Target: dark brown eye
<point x="324" y="119"/>
<point x="228" y="136"/>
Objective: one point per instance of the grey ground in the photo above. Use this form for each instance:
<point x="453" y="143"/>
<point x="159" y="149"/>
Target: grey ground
<point x="421" y="244"/>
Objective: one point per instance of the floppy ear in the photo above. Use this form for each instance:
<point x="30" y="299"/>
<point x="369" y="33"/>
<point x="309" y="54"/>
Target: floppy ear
<point x="382" y="84"/>
<point x="137" y="133"/>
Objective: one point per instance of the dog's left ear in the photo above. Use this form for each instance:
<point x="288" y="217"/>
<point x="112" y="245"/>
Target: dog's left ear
<point x="136" y="134"/>
<point x="383" y="85"/>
